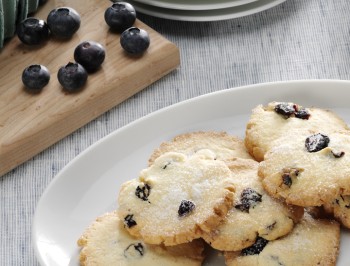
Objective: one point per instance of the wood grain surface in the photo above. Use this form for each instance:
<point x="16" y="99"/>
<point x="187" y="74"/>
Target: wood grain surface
<point x="29" y="123"/>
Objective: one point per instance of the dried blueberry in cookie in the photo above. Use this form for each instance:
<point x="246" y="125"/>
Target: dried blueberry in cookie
<point x="129" y="221"/>
<point x="291" y="110"/>
<point x="143" y="192"/>
<point x="345" y="200"/>
<point x="256" y="248"/>
<point x="284" y="109"/>
<point x="186" y="207"/>
<point x="166" y="165"/>
<point x="249" y="199"/>
<point x="289" y="174"/>
<point x="338" y="154"/>
<point x="270" y="227"/>
<point x="134" y="250"/>
<point x="316" y="142"/>
<point x="287" y="179"/>
<point x="302" y="114"/>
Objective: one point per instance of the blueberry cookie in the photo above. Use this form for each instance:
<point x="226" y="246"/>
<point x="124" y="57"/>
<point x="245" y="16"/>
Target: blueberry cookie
<point x="255" y="214"/>
<point x="269" y="123"/>
<point x="340" y="209"/>
<point x="177" y="198"/>
<point x="106" y="242"/>
<point x="225" y="147"/>
<point x="312" y="242"/>
<point x="311" y="170"/>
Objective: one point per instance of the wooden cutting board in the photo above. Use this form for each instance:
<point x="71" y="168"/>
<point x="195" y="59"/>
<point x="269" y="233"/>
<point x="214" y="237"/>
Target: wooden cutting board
<point x="29" y="123"/>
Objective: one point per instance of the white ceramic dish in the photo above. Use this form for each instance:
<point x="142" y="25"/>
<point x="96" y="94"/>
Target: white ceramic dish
<point x="88" y="186"/>
<point x="206" y="15"/>
<point x="195" y="4"/>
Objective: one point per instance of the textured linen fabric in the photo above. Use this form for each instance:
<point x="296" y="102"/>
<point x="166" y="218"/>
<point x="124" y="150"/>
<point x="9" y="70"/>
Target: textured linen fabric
<point x="298" y="39"/>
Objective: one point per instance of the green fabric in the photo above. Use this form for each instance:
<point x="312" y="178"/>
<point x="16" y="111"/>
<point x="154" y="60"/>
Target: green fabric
<point x="1" y="24"/>
<point x="9" y="7"/>
<point x="32" y="6"/>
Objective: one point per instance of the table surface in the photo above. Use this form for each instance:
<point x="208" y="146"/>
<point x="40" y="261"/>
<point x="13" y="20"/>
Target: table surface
<point x="295" y="40"/>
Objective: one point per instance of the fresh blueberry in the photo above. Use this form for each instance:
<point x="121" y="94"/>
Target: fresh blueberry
<point x="63" y="22"/>
<point x="120" y="16"/>
<point x="72" y="76"/>
<point x="90" y="55"/>
<point x="35" y="77"/>
<point x="33" y="31"/>
<point x="135" y="40"/>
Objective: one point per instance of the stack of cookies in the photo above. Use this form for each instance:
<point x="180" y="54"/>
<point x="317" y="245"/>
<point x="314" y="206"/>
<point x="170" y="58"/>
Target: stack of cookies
<point x="274" y="198"/>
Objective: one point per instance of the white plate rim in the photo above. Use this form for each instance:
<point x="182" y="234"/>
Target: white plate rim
<point x="285" y="86"/>
<point x="206" y="15"/>
<point x="195" y="5"/>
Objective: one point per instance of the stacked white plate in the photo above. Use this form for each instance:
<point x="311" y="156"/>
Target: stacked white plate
<point x="202" y="10"/>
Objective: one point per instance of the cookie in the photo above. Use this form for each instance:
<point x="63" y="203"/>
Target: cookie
<point x="311" y="170"/>
<point x="106" y="242"/>
<point x="340" y="209"/>
<point x="319" y="212"/>
<point x="312" y="242"/>
<point x="225" y="147"/>
<point x="255" y="214"/>
<point x="268" y="124"/>
<point x="177" y="198"/>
